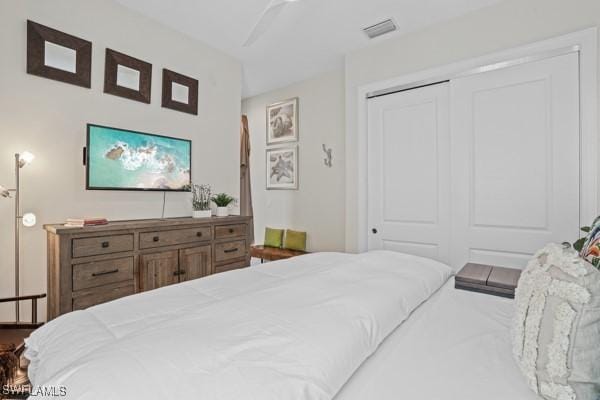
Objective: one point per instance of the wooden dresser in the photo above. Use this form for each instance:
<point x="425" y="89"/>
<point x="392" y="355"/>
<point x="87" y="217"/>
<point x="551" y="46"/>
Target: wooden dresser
<point x="93" y="265"/>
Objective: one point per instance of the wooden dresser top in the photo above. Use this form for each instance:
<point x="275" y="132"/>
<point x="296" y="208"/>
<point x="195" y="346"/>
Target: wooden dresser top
<point x="145" y="223"/>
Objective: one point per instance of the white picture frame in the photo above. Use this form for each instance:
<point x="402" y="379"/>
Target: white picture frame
<point x="282" y="122"/>
<point x="282" y="168"/>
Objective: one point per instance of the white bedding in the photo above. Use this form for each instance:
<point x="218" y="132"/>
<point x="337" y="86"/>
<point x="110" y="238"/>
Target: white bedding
<point x="295" y="329"/>
<point x="456" y="346"/>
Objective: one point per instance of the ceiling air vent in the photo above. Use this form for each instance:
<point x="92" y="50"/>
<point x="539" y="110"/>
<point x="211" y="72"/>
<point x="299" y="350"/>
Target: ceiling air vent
<point x="381" y="28"/>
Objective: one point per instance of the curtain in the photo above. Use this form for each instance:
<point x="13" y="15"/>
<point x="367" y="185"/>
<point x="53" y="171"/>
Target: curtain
<point x="245" y="185"/>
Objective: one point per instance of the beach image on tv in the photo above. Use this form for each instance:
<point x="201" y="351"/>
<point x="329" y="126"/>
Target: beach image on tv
<point x="121" y="159"/>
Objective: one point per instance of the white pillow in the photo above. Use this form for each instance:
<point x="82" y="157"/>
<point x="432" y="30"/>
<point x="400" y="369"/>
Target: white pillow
<point x="556" y="332"/>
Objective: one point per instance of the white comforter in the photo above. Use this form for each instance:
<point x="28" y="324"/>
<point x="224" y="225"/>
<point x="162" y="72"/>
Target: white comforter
<point x="294" y="329"/>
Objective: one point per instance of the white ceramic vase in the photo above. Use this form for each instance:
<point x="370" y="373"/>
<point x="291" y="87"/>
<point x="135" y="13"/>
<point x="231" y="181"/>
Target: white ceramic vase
<point x="202" y="213"/>
<point x="222" y="211"/>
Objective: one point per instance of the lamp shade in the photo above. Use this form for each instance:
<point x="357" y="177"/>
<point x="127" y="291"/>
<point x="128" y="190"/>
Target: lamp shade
<point x="29" y="220"/>
<point x="26" y="158"/>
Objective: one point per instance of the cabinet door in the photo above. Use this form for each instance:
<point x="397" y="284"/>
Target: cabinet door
<point x="195" y="263"/>
<point x="159" y="269"/>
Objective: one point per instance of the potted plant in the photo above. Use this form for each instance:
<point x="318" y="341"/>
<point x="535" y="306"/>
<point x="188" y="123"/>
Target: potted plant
<point x="222" y="200"/>
<point x="201" y="201"/>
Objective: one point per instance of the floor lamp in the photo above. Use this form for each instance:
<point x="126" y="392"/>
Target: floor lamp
<point x="27" y="220"/>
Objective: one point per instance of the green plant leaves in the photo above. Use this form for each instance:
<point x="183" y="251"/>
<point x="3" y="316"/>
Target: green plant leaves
<point x="222" y="199"/>
<point x="578" y="245"/>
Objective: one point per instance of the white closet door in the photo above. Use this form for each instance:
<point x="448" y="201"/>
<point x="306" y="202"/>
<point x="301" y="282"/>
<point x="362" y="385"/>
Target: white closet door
<point x="408" y="177"/>
<point x="515" y="161"/>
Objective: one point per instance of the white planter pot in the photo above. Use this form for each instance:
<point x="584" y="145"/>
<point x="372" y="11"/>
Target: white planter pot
<point x="202" y="214"/>
<point x="222" y="211"/>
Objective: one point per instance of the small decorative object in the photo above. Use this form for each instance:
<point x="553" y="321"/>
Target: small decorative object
<point x="328" y="156"/>
<point x="201" y="201"/>
<point x="273" y="237"/>
<point x="282" y="168"/>
<point x="127" y="77"/>
<point x="83" y="222"/>
<point x="28" y="220"/>
<point x="589" y="246"/>
<point x="180" y="92"/>
<point x="222" y="200"/>
<point x="295" y="240"/>
<point x="488" y="279"/>
<point x="56" y="55"/>
<point x="282" y="122"/>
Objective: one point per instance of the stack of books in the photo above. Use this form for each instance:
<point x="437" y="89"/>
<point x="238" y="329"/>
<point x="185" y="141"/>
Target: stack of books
<point x="81" y="222"/>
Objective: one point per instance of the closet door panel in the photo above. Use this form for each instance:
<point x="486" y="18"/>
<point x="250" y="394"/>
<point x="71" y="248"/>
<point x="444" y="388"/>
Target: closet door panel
<point x="408" y="172"/>
<point x="515" y="161"/>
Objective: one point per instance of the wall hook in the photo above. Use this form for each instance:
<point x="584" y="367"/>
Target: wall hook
<point x="328" y="156"/>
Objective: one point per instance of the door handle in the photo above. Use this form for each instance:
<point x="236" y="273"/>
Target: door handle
<point x="374" y="230"/>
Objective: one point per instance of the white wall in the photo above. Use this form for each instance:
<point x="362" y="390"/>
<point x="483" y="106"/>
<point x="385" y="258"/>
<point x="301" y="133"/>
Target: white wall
<point x="48" y="118"/>
<point x="318" y="206"/>
<point x="508" y="24"/>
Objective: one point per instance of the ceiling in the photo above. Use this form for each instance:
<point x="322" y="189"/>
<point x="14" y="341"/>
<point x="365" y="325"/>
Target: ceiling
<point x="308" y="37"/>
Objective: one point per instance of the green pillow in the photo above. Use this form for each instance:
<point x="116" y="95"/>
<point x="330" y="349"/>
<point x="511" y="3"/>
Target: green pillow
<point x="273" y="237"/>
<point x="295" y="240"/>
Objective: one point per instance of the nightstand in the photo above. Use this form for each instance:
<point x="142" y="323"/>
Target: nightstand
<point x="488" y="279"/>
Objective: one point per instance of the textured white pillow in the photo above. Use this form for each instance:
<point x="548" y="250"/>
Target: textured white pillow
<point x="556" y="332"/>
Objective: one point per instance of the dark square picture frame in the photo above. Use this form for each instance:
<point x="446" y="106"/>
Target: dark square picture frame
<point x="170" y="77"/>
<point x="111" y="86"/>
<point x="38" y="35"/>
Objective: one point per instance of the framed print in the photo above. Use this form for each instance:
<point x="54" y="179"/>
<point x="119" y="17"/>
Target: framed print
<point x="282" y="122"/>
<point x="128" y="77"/>
<point x="282" y="168"/>
<point x="179" y="92"/>
<point x="57" y="55"/>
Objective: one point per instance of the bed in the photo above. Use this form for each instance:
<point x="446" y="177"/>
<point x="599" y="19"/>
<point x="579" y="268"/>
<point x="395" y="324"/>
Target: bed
<point x="454" y="346"/>
<point x="379" y="325"/>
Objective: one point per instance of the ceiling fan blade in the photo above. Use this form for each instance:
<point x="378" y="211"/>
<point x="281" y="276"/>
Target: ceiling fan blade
<point x="265" y="21"/>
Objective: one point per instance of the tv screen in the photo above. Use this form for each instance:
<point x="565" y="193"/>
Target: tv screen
<point x="118" y="159"/>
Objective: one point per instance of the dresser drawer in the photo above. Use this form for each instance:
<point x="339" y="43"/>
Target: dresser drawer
<point x="149" y="240"/>
<point x="102" y="245"/>
<point x="230" y="267"/>
<point x="101" y="273"/>
<point x="230" y="231"/>
<point x="101" y="295"/>
<point x="230" y="250"/>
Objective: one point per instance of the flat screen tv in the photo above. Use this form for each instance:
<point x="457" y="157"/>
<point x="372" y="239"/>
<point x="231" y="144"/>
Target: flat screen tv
<point x="119" y="159"/>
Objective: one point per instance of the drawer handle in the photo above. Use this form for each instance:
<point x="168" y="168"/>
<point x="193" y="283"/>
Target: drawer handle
<point x="105" y="245"/>
<point x="231" y="250"/>
<point x="199" y="234"/>
<point x="155" y="239"/>
<point x="113" y="271"/>
<point x="231" y="230"/>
